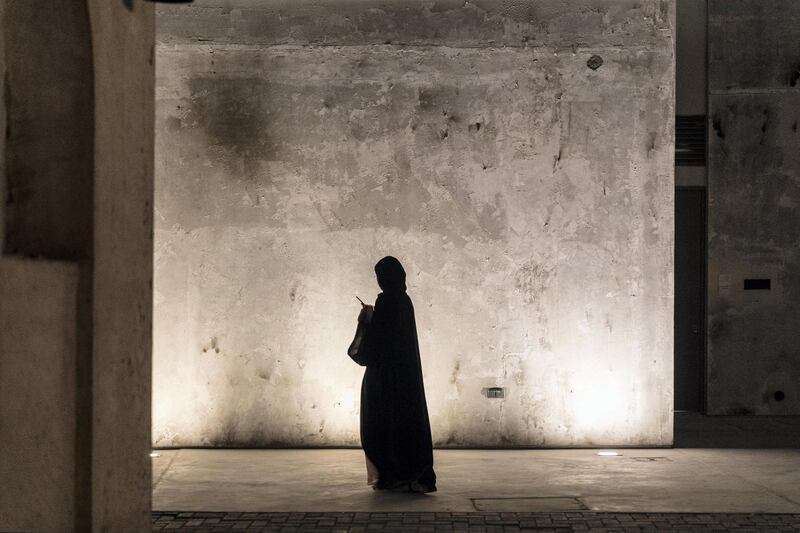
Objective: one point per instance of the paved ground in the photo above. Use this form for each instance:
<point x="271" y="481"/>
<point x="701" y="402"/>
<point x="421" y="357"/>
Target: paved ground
<point x="639" y="480"/>
<point x="473" y="522"/>
<point x="724" y="484"/>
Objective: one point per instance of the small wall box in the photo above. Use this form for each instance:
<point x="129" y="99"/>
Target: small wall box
<point x="495" y="392"/>
<point x="757" y="284"/>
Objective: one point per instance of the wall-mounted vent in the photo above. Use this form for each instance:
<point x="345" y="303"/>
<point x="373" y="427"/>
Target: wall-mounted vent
<point x="757" y="284"/>
<point x="690" y="140"/>
<point x="494" y="392"/>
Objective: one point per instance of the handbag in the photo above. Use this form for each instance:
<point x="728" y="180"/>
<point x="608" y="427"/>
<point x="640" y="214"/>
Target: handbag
<point x="354" y="350"/>
<point x="355" y="346"/>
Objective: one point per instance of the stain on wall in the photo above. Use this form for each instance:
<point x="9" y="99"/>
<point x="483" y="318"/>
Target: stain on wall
<point x="754" y="220"/>
<point x="47" y="190"/>
<point x="528" y="194"/>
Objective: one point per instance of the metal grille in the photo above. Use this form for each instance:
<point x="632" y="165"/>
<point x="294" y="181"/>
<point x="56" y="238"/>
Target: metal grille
<point x="690" y="140"/>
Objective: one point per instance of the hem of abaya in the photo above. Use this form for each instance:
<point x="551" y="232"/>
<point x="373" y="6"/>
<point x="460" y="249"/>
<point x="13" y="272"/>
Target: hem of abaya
<point x="414" y="484"/>
<point x="373" y="474"/>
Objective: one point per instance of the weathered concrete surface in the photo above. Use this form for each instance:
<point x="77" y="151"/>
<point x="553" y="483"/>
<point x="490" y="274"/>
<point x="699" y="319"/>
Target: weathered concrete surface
<point x="124" y="81"/>
<point x="479" y="23"/>
<point x="37" y="394"/>
<point x="753" y="45"/>
<point x="691" y="92"/>
<point x="690" y="58"/>
<point x="46" y="211"/>
<point x="528" y="196"/>
<point x="3" y="126"/>
<point x="754" y="213"/>
<point x="75" y="336"/>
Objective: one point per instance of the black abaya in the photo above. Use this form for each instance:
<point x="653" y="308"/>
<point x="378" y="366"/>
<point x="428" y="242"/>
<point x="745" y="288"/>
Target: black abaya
<point x="395" y="430"/>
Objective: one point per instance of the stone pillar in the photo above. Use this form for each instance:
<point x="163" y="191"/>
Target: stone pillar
<point x="76" y="167"/>
<point x="123" y="251"/>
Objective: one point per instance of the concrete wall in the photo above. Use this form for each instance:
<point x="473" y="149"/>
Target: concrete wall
<point x="75" y="343"/>
<point x="123" y="264"/>
<point x="45" y="266"/>
<point x="690" y="74"/>
<point x="690" y="57"/>
<point x="3" y="125"/>
<point x="754" y="213"/>
<point x="37" y="394"/>
<point x="49" y="134"/>
<point x="529" y="197"/>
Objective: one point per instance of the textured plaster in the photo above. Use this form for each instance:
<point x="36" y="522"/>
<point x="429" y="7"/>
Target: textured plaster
<point x="529" y="197"/>
<point x="754" y="207"/>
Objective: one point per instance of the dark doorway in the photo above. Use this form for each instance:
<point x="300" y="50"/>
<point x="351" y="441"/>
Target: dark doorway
<point x="690" y="298"/>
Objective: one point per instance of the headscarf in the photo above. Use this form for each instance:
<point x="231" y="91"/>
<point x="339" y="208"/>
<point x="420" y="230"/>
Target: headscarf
<point x="390" y="273"/>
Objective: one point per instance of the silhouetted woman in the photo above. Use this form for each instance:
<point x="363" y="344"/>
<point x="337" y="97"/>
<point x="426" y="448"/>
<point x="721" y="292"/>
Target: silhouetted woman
<point x="395" y="430"/>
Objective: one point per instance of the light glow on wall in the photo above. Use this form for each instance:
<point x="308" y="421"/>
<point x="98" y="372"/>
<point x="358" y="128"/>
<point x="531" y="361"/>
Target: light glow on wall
<point x="600" y="401"/>
<point x="531" y="206"/>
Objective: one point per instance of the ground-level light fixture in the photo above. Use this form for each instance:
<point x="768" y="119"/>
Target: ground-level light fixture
<point x="608" y="453"/>
<point x="155" y="454"/>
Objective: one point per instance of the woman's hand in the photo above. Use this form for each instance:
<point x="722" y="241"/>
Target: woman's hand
<point x="365" y="316"/>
